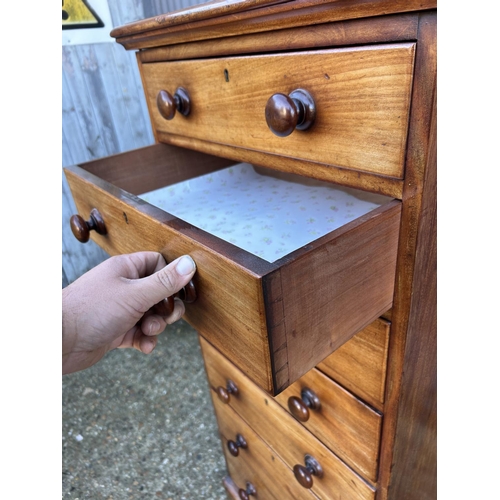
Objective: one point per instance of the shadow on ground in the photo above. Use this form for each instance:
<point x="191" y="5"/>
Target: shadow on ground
<point x="142" y="427"/>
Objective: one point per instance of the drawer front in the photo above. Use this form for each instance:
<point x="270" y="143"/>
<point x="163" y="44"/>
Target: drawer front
<point x="281" y="432"/>
<point x="256" y="462"/>
<point x="342" y="422"/>
<point x="277" y="320"/>
<point x="238" y="326"/>
<point x="361" y="96"/>
<point x="360" y="364"/>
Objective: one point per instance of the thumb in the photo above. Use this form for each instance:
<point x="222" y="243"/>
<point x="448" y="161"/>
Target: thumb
<point x="166" y="281"/>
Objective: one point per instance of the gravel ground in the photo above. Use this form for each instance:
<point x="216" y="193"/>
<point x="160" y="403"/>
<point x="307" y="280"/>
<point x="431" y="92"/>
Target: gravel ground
<point x="142" y="427"/>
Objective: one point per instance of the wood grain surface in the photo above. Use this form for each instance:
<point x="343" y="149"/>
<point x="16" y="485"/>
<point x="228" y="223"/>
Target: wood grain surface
<point x="367" y="181"/>
<point x="361" y="95"/>
<point x="271" y="18"/>
<point x="360" y="364"/>
<point x="258" y="464"/>
<point x="152" y="167"/>
<point x="391" y="28"/>
<point x="282" y="432"/>
<point x="288" y="318"/>
<point x="332" y="292"/>
<point x="261" y="315"/>
<point x="419" y="431"/>
<point x="229" y="308"/>
<point x="207" y="10"/>
<point x="345" y="424"/>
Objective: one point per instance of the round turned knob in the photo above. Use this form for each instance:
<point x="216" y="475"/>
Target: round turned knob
<point x="81" y="228"/>
<point x="188" y="293"/>
<point x="223" y="394"/>
<point x="234" y="446"/>
<point x="166" y="306"/>
<point x="250" y="490"/>
<point x="304" y="474"/>
<point x="285" y="113"/>
<point x="168" y="104"/>
<point x="299" y="407"/>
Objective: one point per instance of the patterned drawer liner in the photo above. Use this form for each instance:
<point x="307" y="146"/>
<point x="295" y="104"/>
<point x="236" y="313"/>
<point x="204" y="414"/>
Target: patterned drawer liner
<point x="266" y="216"/>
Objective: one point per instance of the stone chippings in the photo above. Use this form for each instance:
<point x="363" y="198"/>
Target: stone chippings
<point x="142" y="427"/>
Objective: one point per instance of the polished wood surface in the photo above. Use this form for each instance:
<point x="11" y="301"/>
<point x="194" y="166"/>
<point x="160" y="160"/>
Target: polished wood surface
<point x="207" y="10"/>
<point x="145" y="169"/>
<point x="134" y="225"/>
<point x="338" y="175"/>
<point x="286" y="113"/>
<point x="347" y="282"/>
<point x="394" y="371"/>
<point x="224" y="393"/>
<point x="422" y="428"/>
<point x="345" y="424"/>
<point x="257" y="463"/>
<point x="361" y="97"/>
<point x="391" y="28"/>
<point x="234" y="446"/>
<point x="305" y="473"/>
<point x="242" y="301"/>
<point x="81" y="228"/>
<point x="278" y="17"/>
<point x="417" y="412"/>
<point x="360" y="364"/>
<point x="169" y="105"/>
<point x="299" y="406"/>
<point x="283" y="433"/>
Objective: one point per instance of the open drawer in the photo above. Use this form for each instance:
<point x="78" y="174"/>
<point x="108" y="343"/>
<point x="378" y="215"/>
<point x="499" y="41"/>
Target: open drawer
<point x="274" y="320"/>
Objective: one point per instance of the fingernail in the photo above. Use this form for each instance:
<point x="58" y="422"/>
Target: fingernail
<point x="185" y="265"/>
<point x="154" y="327"/>
<point x="149" y="346"/>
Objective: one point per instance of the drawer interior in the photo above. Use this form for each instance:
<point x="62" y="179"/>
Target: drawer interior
<point x="261" y="213"/>
<point x="275" y="319"/>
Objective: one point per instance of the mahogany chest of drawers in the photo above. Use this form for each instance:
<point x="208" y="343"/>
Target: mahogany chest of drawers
<point x="322" y="358"/>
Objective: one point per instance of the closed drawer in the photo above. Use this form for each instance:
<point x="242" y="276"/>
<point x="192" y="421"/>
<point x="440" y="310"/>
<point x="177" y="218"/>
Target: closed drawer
<point x="282" y="432"/>
<point x="255" y="461"/>
<point x="361" y="96"/>
<point x="360" y="364"/>
<point x="340" y="420"/>
<point x="274" y="320"/>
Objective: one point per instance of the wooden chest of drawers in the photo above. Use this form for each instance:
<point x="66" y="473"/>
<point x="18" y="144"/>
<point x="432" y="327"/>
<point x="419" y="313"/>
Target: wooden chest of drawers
<point x="322" y="361"/>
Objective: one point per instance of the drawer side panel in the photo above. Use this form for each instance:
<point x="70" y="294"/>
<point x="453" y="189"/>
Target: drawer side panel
<point x="345" y="285"/>
<point x="360" y="364"/>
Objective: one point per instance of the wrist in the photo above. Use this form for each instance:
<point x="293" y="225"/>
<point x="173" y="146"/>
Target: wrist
<point x="69" y="328"/>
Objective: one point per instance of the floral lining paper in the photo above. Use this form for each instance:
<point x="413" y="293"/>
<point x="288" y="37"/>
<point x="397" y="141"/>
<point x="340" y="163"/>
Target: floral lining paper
<point x="266" y="216"/>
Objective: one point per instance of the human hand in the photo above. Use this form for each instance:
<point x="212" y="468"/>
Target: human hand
<point x="110" y="306"/>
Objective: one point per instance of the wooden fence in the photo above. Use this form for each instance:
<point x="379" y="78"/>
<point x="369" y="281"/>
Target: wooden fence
<point x="104" y="113"/>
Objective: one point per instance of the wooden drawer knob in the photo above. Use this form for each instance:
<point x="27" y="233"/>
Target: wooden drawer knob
<point x="250" y="490"/>
<point x="285" y="113"/>
<point x="234" y="446"/>
<point x="299" y="407"/>
<point x="168" y="105"/>
<point x="81" y="228"/>
<point x="186" y="294"/>
<point x="304" y="474"/>
<point x="223" y="394"/>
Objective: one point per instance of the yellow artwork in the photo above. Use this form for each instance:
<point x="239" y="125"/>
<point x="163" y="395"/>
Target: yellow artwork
<point x="79" y="14"/>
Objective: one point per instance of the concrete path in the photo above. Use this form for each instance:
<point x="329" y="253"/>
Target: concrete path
<point x="142" y="427"/>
